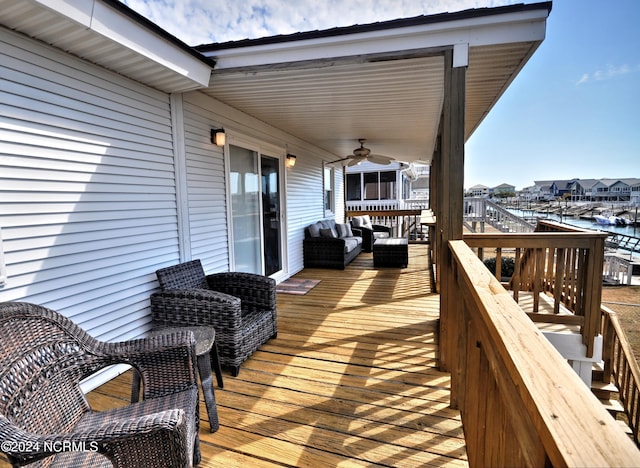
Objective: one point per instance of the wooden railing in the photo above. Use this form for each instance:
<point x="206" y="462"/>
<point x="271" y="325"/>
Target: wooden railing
<point x="621" y="369"/>
<point x="561" y="268"/>
<point x="482" y="210"/>
<point x="521" y="405"/>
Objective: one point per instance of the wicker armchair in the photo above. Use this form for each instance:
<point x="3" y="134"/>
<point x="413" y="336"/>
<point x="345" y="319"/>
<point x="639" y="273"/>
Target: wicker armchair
<point x="370" y="232"/>
<point x="240" y="306"/>
<point x="45" y="418"/>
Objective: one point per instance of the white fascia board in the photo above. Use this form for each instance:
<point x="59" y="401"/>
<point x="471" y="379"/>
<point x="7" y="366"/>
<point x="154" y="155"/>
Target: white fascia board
<point x="489" y="30"/>
<point x="114" y="25"/>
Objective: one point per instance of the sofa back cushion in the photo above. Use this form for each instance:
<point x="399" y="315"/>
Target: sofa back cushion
<point x="362" y="221"/>
<point x="344" y="230"/>
<point x="313" y="230"/>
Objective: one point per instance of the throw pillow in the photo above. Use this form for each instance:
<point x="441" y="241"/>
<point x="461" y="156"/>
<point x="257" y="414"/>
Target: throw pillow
<point x="327" y="233"/>
<point x="344" y="230"/>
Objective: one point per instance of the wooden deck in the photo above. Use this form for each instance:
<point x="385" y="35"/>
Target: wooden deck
<point x="350" y="380"/>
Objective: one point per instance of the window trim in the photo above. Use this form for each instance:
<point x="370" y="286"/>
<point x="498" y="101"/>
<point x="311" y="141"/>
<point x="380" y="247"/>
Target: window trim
<point x="330" y="211"/>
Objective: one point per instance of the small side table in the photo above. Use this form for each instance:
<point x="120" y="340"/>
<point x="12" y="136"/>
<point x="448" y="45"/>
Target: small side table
<point x="205" y="348"/>
<point x="391" y="252"/>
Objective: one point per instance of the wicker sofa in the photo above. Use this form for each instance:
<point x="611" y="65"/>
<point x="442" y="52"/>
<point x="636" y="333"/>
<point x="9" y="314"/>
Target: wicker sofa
<point x="328" y="244"/>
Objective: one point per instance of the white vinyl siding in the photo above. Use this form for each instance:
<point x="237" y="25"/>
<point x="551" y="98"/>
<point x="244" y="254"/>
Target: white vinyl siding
<point x="87" y="190"/>
<point x="207" y="203"/>
<point x="305" y="203"/>
<point x="206" y="187"/>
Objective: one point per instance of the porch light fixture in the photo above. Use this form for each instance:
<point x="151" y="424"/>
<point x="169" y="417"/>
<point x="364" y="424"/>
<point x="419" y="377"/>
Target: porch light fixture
<point x="218" y="137"/>
<point x="291" y="160"/>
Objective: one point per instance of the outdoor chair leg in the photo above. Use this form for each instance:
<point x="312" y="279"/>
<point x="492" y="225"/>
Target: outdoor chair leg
<point x="215" y="361"/>
<point x="206" y="380"/>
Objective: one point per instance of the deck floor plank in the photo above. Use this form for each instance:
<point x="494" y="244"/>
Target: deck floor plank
<point x="351" y="379"/>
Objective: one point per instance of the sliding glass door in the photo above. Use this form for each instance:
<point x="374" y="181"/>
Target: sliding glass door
<point x="254" y="181"/>
<point x="271" y="219"/>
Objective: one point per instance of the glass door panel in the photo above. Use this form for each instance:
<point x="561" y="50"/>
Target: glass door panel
<point x="245" y="208"/>
<point x="271" y="214"/>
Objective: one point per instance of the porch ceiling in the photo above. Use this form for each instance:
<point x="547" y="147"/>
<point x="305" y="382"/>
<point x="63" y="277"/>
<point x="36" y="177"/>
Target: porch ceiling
<point x="393" y="102"/>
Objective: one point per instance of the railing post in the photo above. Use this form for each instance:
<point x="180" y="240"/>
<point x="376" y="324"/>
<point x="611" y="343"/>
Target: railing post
<point x="593" y="294"/>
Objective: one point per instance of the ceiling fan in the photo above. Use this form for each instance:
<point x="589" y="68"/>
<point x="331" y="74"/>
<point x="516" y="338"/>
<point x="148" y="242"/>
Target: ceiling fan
<point x="364" y="154"/>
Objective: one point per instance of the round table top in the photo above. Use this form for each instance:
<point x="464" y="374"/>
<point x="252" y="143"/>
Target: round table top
<point x="205" y="336"/>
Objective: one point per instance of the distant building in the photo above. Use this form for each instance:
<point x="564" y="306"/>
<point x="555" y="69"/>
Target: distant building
<point x="626" y="189"/>
<point x="479" y="191"/>
<point x="504" y="189"/>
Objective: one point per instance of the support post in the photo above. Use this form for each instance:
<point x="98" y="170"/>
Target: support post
<point x="450" y="200"/>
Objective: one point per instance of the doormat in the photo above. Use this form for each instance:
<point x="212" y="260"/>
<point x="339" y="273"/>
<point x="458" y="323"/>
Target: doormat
<point x="298" y="286"/>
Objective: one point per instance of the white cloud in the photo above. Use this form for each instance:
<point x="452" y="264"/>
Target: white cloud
<point x="207" y="21"/>
<point x="583" y="79"/>
<point x="608" y="73"/>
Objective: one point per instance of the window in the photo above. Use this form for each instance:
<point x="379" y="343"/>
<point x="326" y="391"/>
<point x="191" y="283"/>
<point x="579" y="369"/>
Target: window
<point x="354" y="187"/>
<point x="388" y="185"/>
<point x="370" y="185"/>
<point x="328" y="190"/>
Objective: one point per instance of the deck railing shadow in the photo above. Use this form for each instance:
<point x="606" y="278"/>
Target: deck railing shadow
<point x="367" y="389"/>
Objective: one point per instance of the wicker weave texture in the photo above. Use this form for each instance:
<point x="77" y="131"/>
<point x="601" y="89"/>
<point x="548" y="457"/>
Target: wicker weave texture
<point x="43" y="358"/>
<point x="240" y="306"/>
<point x="323" y="252"/>
<point x="391" y="252"/>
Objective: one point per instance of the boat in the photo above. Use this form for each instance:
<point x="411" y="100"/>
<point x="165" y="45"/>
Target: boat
<point x="611" y="220"/>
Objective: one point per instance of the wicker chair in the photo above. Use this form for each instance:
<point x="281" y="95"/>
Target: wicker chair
<point x="240" y="306"/>
<point x="45" y="418"/>
<point x="370" y="232"/>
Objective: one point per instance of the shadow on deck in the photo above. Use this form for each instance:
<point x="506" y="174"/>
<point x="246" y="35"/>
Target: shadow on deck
<point x="350" y="380"/>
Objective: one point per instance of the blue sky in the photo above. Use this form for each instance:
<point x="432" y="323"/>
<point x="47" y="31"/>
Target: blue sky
<point x="574" y="110"/>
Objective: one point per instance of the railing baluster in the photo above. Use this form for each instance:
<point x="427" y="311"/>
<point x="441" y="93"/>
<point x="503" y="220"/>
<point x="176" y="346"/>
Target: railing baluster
<point x="516" y="278"/>
<point x="559" y="278"/>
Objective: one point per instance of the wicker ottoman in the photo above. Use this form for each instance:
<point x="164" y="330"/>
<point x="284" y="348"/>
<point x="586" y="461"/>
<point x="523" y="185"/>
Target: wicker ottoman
<point x="391" y="252"/>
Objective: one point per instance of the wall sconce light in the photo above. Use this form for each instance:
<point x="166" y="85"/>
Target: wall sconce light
<point x="291" y="160"/>
<point x="218" y="137"/>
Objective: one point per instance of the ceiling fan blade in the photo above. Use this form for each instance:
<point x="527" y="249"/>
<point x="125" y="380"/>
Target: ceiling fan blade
<point x="356" y="160"/>
<point x="340" y="160"/>
<point x="379" y="159"/>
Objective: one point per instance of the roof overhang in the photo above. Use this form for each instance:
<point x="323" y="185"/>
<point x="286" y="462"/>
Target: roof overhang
<point x="383" y="81"/>
<point x="108" y="33"/>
